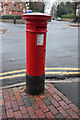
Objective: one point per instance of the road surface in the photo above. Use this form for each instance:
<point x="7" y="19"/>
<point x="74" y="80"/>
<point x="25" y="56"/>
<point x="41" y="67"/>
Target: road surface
<point x="62" y="46"/>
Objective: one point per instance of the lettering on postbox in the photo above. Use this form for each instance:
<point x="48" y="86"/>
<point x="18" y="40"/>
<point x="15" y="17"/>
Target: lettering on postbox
<point x="40" y="39"/>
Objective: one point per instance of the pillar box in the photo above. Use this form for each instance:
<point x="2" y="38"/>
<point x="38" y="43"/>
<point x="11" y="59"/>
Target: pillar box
<point x="36" y="28"/>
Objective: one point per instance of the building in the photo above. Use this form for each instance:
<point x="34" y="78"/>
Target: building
<point x="12" y="8"/>
<point x="1" y="8"/>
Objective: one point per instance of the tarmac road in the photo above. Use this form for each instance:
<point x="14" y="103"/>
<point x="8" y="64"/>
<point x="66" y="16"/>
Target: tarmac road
<point x="62" y="46"/>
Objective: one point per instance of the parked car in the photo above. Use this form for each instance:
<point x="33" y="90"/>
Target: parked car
<point x="58" y="19"/>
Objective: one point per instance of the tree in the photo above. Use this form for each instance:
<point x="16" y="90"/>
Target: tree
<point x="69" y="7"/>
<point x="75" y="3"/>
<point x="43" y="4"/>
<point x="65" y="8"/>
<point x="61" y="9"/>
<point x="37" y="6"/>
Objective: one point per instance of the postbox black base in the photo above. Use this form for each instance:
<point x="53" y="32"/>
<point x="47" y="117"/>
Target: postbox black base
<point x="35" y="84"/>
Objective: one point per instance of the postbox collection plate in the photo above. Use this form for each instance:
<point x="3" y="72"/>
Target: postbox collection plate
<point x="40" y="39"/>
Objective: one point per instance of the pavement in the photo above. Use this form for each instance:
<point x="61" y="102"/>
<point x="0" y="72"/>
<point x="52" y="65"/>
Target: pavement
<point x="75" y="25"/>
<point x="16" y="103"/>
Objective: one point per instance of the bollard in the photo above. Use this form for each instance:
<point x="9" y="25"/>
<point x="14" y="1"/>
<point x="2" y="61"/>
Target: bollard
<point x="36" y="28"/>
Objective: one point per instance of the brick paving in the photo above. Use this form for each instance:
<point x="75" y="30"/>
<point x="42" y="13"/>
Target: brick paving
<point x="15" y="103"/>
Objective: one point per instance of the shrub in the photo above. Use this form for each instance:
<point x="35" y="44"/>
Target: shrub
<point x="70" y="16"/>
<point x="11" y="17"/>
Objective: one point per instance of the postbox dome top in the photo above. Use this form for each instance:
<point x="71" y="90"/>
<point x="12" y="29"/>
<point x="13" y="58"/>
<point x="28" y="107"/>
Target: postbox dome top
<point x="36" y="16"/>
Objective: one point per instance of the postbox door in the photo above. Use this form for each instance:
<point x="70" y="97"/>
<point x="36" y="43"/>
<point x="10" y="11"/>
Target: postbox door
<point x="36" y="53"/>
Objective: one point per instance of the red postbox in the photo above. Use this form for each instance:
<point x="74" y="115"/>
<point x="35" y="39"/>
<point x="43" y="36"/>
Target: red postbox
<point x="36" y="28"/>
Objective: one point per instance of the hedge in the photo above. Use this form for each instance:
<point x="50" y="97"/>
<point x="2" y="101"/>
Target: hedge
<point x="70" y="16"/>
<point x="11" y="17"/>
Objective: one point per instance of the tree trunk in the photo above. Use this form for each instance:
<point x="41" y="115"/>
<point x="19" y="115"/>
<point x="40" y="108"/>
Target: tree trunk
<point x="75" y="5"/>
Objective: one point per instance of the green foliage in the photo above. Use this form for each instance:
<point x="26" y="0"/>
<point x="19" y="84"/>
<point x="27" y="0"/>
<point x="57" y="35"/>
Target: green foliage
<point x="34" y="11"/>
<point x="61" y="9"/>
<point x="70" y="7"/>
<point x="11" y="17"/>
<point x="65" y="9"/>
<point x="70" y="16"/>
<point x="38" y="6"/>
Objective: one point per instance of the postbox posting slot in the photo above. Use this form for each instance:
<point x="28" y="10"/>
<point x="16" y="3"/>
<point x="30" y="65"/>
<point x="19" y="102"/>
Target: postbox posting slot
<point x="40" y="26"/>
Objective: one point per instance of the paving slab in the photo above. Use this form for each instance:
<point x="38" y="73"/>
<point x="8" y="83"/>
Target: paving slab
<point x="16" y="103"/>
